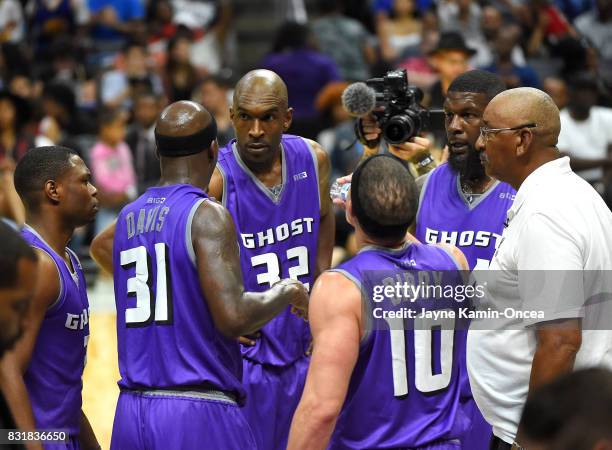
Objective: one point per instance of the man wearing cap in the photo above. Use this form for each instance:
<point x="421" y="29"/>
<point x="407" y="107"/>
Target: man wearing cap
<point x="449" y="59"/>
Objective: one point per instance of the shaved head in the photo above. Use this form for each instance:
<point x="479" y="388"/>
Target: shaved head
<point x="262" y="84"/>
<point x="182" y="118"/>
<point x="526" y="105"/>
<point x="260" y="114"/>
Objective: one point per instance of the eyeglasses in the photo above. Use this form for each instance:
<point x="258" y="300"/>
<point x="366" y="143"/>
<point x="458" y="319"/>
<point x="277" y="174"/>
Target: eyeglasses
<point x="484" y="131"/>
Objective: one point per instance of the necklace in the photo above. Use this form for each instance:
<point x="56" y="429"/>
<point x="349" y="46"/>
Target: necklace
<point x="468" y="190"/>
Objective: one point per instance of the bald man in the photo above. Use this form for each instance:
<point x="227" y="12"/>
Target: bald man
<point x="552" y="262"/>
<point x="276" y="188"/>
<point x="181" y="305"/>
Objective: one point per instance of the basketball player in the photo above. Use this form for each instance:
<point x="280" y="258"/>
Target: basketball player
<point x="180" y="300"/>
<point x="18" y="266"/>
<point x="43" y="374"/>
<point x="355" y="388"/>
<point x="276" y="188"/>
<point x="459" y="204"/>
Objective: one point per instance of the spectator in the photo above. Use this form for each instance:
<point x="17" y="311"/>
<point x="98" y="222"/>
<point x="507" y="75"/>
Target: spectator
<point x="181" y="76"/>
<point x="557" y="89"/>
<point x="114" y="21"/>
<point x="339" y="139"/>
<point x="50" y="20"/>
<point x="597" y="26"/>
<point x="513" y="75"/>
<point x="490" y="25"/>
<point x="345" y="40"/>
<point x="420" y="71"/>
<point x="586" y="132"/>
<point x="304" y="70"/>
<point x="14" y="115"/>
<point x="545" y="25"/>
<point x="461" y="16"/>
<point x="213" y="93"/>
<point x="160" y="30"/>
<point x="210" y="22"/>
<point x="141" y="140"/>
<point x="112" y="169"/>
<point x="12" y="25"/>
<point x="10" y="204"/>
<point x="399" y="31"/>
<point x="132" y="75"/>
<point x="60" y="106"/>
<point x="571" y="413"/>
<point x="449" y="59"/>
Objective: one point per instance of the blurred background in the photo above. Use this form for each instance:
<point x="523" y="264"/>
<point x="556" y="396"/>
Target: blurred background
<point x="94" y="74"/>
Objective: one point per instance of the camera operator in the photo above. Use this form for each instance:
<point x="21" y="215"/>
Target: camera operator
<point x="459" y="203"/>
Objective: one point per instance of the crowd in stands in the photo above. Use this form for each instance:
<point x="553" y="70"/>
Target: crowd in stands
<point x="94" y="74"/>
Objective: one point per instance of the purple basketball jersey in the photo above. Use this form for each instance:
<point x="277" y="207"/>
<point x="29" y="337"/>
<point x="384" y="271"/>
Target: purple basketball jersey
<point x="278" y="237"/>
<point x="445" y="216"/>
<point x="165" y="333"/>
<point x="397" y="399"/>
<point x="54" y="376"/>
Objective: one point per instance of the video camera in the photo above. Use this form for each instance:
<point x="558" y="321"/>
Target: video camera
<point x="402" y="116"/>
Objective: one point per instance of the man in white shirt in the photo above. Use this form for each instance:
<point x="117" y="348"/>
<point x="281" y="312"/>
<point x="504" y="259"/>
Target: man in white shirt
<point x="586" y="131"/>
<point x="552" y="259"/>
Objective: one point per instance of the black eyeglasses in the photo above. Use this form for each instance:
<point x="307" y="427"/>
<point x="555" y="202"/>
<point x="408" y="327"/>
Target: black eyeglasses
<point x="484" y="131"/>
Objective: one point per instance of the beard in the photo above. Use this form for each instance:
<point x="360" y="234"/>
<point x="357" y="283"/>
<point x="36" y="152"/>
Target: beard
<point x="468" y="166"/>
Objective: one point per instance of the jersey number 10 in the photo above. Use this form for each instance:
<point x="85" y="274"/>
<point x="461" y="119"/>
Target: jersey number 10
<point x="425" y="380"/>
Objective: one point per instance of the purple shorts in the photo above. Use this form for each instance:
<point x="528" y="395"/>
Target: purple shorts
<point x="161" y="420"/>
<point x="477" y="436"/>
<point x="72" y="444"/>
<point x="273" y="394"/>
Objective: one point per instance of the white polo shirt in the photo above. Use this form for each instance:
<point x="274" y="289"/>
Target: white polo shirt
<point x="552" y="258"/>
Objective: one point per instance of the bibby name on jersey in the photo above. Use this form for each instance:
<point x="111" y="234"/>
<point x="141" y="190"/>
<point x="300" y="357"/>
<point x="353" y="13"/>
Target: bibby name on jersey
<point x="279" y="233"/>
<point x="465" y="238"/>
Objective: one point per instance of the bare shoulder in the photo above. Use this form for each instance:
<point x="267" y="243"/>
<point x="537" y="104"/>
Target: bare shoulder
<point x="212" y="219"/>
<point x="321" y="154"/>
<point x="215" y="187"/>
<point x="335" y="285"/>
<point x="48" y="279"/>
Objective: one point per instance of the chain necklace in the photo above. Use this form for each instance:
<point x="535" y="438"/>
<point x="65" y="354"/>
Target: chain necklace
<point x="468" y="190"/>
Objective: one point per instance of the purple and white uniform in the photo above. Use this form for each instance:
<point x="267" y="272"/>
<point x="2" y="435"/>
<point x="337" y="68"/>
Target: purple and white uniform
<point x="54" y="376"/>
<point x="180" y="378"/>
<point x="445" y="215"/>
<point x="277" y="234"/>
<point x="404" y="389"/>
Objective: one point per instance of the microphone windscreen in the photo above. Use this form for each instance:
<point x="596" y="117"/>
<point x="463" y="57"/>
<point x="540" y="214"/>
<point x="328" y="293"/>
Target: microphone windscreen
<point x="358" y="99"/>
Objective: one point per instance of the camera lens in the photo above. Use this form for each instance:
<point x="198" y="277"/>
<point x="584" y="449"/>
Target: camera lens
<point x="399" y="129"/>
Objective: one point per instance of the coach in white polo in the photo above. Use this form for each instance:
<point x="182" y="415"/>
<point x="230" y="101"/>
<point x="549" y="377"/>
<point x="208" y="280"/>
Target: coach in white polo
<point x="558" y="225"/>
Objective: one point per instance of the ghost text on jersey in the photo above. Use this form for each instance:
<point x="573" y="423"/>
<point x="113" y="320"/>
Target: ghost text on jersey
<point x="77" y="321"/>
<point x="279" y="233"/>
<point x="465" y="238"/>
<point x="152" y="219"/>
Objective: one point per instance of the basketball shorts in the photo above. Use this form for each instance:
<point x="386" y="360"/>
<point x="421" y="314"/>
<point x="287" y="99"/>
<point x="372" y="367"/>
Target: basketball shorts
<point x="273" y="394"/>
<point x="178" y="420"/>
<point x="72" y="444"/>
